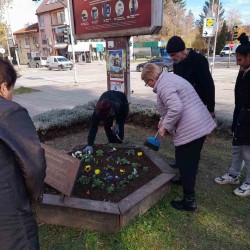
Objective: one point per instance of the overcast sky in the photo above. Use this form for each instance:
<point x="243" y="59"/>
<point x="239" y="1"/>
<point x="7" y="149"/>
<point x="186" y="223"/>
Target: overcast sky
<point x="23" y="11"/>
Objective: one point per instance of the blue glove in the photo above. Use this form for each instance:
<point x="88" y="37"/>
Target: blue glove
<point x="88" y="150"/>
<point x="115" y="129"/>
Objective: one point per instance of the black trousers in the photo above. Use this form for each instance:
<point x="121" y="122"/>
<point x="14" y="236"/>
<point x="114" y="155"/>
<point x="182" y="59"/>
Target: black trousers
<point x="111" y="137"/>
<point x="187" y="158"/>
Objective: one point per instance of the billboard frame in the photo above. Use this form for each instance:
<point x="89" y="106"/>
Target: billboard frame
<point x="156" y="24"/>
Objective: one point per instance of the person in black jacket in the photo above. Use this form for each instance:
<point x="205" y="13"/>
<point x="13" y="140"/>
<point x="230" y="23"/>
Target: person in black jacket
<point x="193" y="67"/>
<point x="241" y="122"/>
<point x="22" y="170"/>
<point x="112" y="106"/>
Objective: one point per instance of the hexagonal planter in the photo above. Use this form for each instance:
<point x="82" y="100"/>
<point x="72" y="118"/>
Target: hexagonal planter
<point x="107" y="216"/>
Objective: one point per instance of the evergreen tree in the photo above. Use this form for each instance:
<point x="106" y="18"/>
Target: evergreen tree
<point x="207" y="8"/>
<point x="222" y="38"/>
<point x="181" y="3"/>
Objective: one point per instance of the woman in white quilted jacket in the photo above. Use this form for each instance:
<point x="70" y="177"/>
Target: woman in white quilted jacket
<point x="186" y="119"/>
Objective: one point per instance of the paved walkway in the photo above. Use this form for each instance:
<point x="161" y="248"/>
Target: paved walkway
<point x="58" y="90"/>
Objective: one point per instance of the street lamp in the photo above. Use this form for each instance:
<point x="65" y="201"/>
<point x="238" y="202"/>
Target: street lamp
<point x="13" y="39"/>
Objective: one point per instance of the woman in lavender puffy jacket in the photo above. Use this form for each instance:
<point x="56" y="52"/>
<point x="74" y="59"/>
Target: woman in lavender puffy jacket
<point x="186" y="119"/>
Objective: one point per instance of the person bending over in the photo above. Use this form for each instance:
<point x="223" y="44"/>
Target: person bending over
<point x="112" y="108"/>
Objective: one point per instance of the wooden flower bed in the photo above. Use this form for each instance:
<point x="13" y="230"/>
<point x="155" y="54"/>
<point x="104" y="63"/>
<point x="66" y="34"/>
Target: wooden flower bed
<point x="107" y="191"/>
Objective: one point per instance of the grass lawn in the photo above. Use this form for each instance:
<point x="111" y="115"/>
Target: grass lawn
<point x="221" y="222"/>
<point x="23" y="90"/>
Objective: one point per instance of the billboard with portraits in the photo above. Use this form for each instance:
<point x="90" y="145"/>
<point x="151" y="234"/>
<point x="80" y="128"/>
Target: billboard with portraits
<point x="115" y="18"/>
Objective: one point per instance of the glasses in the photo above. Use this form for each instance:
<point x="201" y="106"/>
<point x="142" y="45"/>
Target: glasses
<point x="146" y="82"/>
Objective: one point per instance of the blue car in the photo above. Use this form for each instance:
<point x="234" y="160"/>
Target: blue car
<point x="164" y="62"/>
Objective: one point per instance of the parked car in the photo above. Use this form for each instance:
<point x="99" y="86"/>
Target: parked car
<point x="59" y="62"/>
<point x="226" y="50"/>
<point x="37" y="62"/>
<point x="164" y="62"/>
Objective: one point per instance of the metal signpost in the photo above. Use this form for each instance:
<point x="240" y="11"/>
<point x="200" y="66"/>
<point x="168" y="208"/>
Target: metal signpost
<point x="229" y="54"/>
<point x="216" y="33"/>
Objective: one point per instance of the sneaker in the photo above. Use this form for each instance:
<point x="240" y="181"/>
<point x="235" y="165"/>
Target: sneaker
<point x="227" y="179"/>
<point x="243" y="190"/>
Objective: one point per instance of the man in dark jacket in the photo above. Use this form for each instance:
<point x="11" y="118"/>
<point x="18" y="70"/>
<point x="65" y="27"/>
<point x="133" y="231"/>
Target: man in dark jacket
<point x="195" y="69"/>
<point x="112" y="106"/>
<point x="22" y="169"/>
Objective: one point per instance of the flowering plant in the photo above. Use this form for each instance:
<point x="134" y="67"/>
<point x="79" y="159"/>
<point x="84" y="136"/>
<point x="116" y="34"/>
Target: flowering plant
<point x="108" y="170"/>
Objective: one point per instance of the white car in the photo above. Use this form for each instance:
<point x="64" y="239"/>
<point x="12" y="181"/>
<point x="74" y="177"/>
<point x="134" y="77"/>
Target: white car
<point x="59" y="62"/>
<point x="37" y="62"/>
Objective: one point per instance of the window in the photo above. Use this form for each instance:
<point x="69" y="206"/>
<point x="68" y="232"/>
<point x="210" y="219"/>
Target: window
<point x="60" y="17"/>
<point x="29" y="56"/>
<point x="27" y="41"/>
<point x="41" y="19"/>
<point x="35" y="40"/>
<point x="43" y="35"/>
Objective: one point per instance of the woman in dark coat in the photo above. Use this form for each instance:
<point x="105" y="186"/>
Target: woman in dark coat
<point x="241" y="122"/>
<point x="22" y="169"/>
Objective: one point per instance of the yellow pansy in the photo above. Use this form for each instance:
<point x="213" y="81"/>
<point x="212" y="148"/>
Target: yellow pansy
<point x="122" y="171"/>
<point x="87" y="168"/>
<point x="139" y="153"/>
<point x="97" y="171"/>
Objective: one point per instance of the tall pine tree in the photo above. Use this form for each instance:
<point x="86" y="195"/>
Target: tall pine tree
<point x="222" y="38"/>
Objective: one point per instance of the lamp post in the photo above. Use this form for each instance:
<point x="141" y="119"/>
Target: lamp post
<point x="216" y="33"/>
<point x="13" y="39"/>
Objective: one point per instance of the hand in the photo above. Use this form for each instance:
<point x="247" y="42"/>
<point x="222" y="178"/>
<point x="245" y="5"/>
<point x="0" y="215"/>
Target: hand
<point x="88" y="150"/>
<point x="159" y="124"/>
<point x="115" y="129"/>
<point x="162" y="131"/>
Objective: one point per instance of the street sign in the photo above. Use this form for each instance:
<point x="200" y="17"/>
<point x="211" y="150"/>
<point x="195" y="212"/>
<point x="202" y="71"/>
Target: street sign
<point x="231" y="45"/>
<point x="209" y="27"/>
<point x="99" y="48"/>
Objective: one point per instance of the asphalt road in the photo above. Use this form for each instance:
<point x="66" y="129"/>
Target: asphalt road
<point x="57" y="89"/>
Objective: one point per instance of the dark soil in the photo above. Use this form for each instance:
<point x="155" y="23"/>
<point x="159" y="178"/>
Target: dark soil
<point x="146" y="171"/>
<point x="121" y="182"/>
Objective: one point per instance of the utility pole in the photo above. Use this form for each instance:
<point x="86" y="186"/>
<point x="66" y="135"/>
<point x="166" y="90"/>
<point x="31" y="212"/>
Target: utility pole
<point x="13" y="39"/>
<point x="216" y="33"/>
<point x="72" y="38"/>
<point x="7" y="41"/>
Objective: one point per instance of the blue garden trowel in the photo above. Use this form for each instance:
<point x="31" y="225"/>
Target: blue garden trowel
<point x="153" y="142"/>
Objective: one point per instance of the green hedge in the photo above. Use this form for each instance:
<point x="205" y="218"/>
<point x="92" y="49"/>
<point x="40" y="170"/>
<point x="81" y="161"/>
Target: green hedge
<point x="61" y="121"/>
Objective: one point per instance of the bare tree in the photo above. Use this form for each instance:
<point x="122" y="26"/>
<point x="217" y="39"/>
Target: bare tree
<point x="190" y="30"/>
<point x="173" y="19"/>
<point x="233" y="18"/>
<point x="3" y="4"/>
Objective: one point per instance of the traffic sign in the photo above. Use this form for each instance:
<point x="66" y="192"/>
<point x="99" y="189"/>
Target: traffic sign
<point x="209" y="27"/>
<point x="209" y="22"/>
<point x="231" y="45"/>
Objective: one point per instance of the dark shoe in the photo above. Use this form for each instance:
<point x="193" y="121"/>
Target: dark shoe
<point x="173" y="165"/>
<point x="177" y="180"/>
<point x="184" y="205"/>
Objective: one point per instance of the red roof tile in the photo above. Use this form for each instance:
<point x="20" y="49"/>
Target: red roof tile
<point x="30" y="29"/>
<point x="44" y="7"/>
